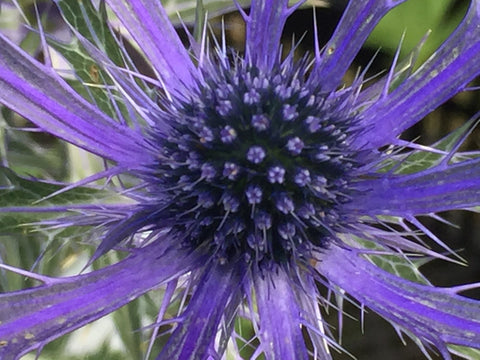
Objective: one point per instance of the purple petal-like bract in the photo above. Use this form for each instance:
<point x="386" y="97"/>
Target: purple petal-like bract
<point x="36" y="91"/>
<point x="436" y="315"/>
<point x="279" y="317"/>
<point x="33" y="317"/>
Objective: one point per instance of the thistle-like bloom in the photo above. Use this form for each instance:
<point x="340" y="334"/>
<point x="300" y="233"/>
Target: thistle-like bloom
<point x="254" y="180"/>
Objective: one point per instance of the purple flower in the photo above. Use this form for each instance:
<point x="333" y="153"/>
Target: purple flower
<point x="258" y="180"/>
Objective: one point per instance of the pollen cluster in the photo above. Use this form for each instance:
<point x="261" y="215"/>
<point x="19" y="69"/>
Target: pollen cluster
<point x="256" y="164"/>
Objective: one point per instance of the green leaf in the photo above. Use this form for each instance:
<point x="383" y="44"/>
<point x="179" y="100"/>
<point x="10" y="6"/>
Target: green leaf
<point x="200" y="18"/>
<point x="465" y="352"/>
<point x="399" y="266"/>
<point x="394" y="264"/>
<point x="92" y="24"/>
<point x="420" y="160"/>
<point x="186" y="9"/>
<point x="406" y="66"/>
<point x="16" y="191"/>
<point x="24" y="243"/>
<point x="91" y="80"/>
<point x="35" y="154"/>
<point x="416" y="18"/>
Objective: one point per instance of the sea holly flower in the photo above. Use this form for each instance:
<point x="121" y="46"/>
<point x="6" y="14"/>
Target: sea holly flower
<point x="253" y="179"/>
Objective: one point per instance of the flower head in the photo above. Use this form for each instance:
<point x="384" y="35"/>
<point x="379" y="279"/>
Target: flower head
<point x="256" y="178"/>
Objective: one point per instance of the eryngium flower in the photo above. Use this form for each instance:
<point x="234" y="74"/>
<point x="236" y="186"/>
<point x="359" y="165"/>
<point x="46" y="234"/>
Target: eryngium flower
<point x="257" y="179"/>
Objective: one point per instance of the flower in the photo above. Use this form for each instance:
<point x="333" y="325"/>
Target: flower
<point x="255" y="179"/>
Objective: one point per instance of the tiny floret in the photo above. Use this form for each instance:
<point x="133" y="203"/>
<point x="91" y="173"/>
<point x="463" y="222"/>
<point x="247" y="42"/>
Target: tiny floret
<point x="256" y="154"/>
<point x="295" y="145"/>
<point x="228" y="134"/>
<point x="276" y="174"/>
<point x="260" y="122"/>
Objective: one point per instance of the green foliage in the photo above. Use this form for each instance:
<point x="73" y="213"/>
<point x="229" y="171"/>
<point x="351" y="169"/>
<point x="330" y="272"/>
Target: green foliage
<point x="22" y="236"/>
<point x="16" y="191"/>
<point x="403" y="267"/>
<point x="186" y="10"/>
<point x="416" y="18"/>
<point x="92" y="81"/>
<point x="421" y="160"/>
<point x="464" y="352"/>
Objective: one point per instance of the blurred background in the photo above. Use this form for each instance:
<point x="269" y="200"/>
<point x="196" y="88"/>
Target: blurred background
<point x="63" y="252"/>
